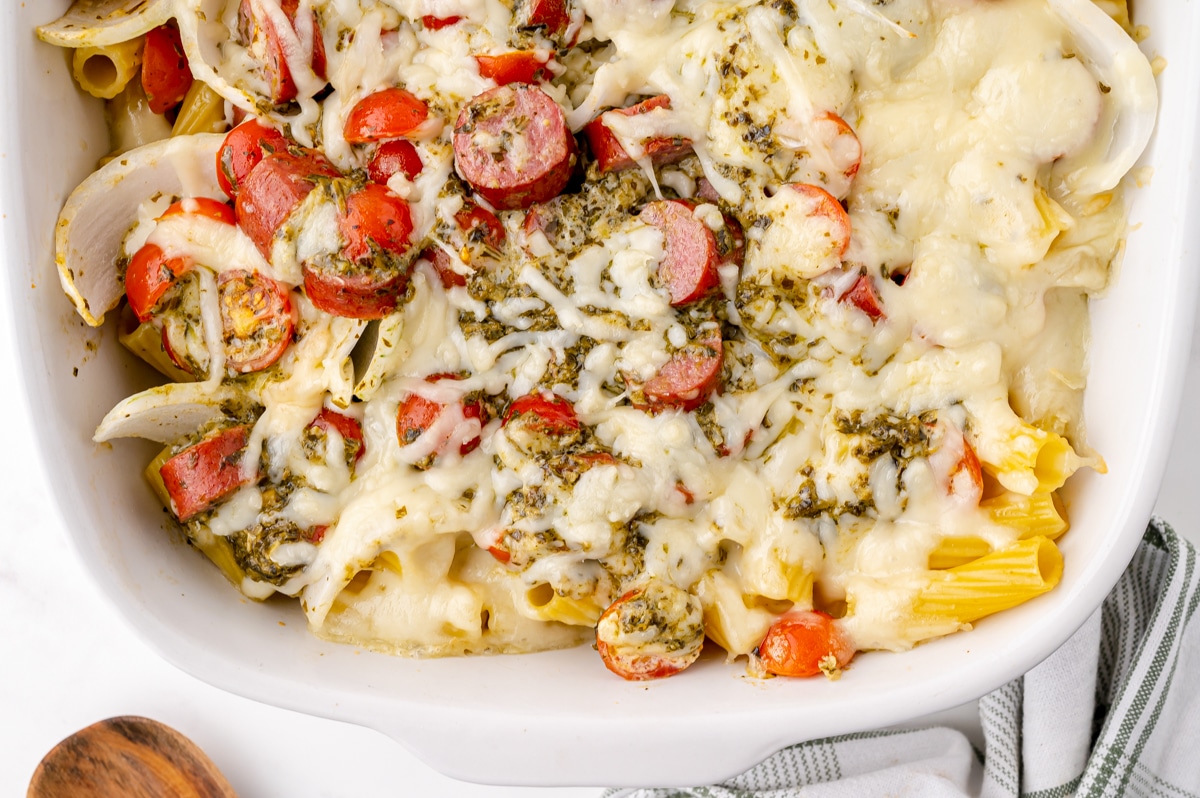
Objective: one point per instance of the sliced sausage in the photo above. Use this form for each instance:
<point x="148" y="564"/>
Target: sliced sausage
<point x="274" y="188"/>
<point x="205" y="473"/>
<point x="513" y="146"/>
<point x="692" y="250"/>
<point x="366" y="282"/>
<point x="415" y="414"/>
<point x="611" y="156"/>
<point x="243" y="148"/>
<point x="258" y="33"/>
<point x="476" y="235"/>
<point x="690" y="377"/>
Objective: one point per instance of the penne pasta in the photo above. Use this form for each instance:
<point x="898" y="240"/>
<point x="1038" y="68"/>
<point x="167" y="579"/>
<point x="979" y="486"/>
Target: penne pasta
<point x="550" y="606"/>
<point x="202" y="111"/>
<point x="993" y="583"/>
<point x="105" y="71"/>
<point x="131" y="122"/>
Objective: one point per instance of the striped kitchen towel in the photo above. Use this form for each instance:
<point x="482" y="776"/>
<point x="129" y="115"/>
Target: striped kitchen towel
<point x="1114" y="712"/>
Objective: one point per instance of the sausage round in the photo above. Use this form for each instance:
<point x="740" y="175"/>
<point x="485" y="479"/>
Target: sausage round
<point x="513" y="146"/>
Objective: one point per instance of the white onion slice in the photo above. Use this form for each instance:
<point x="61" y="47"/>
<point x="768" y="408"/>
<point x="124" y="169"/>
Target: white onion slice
<point x="1131" y="104"/>
<point x="166" y="413"/>
<point x="93" y="223"/>
<point x="97" y="23"/>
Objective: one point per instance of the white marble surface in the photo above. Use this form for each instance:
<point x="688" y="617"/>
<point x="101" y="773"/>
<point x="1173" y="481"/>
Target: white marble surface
<point x="67" y="660"/>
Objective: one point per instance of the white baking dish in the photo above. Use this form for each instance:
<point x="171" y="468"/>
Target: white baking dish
<point x="560" y="718"/>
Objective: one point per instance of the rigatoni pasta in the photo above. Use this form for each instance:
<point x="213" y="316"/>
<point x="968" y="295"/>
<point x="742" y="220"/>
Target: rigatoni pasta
<point x="497" y="329"/>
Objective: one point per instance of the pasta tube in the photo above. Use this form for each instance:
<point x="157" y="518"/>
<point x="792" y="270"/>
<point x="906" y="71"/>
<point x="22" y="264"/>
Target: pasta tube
<point x="992" y="583"/>
<point x="550" y="606"/>
<point x="131" y="121"/>
<point x="202" y="111"/>
<point x="732" y="620"/>
<point x="1038" y="515"/>
<point x="104" y="72"/>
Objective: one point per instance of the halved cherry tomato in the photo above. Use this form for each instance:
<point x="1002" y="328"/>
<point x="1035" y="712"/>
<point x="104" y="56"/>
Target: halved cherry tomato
<point x="611" y="156"/>
<point x="387" y="114"/>
<point x="150" y="273"/>
<point x="690" y="377"/>
<point x="542" y="423"/>
<point x="205" y="473"/>
<point x="348" y="427"/>
<point x="862" y="295"/>
<point x="166" y="77"/>
<point x="260" y="35"/>
<point x="518" y="66"/>
<point x="367" y="282"/>
<point x="479" y="234"/>
<point x="804" y="643"/>
<point x="148" y="277"/>
<point x="202" y="206"/>
<point x="437" y="23"/>
<point x="956" y="466"/>
<point x="416" y="414"/>
<point x="397" y="155"/>
<point x="544" y="412"/>
<point x="629" y="631"/>
<point x="274" y="188"/>
<point x="243" y="148"/>
<point x="376" y="220"/>
<point x="552" y="16"/>
<point x="257" y="320"/>
<point x="179" y="362"/>
<point x="843" y="143"/>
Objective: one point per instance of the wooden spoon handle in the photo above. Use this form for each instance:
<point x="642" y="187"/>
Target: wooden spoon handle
<point x="128" y="756"/>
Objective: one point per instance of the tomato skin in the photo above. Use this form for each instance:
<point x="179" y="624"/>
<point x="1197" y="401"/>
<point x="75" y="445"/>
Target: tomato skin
<point x="552" y="16"/>
<point x="518" y="66"/>
<point x="416" y="414"/>
<point x="258" y="321"/>
<point x="347" y="426"/>
<point x="166" y="77"/>
<point x="205" y="473"/>
<point x="274" y="188"/>
<point x="375" y="219"/>
<point x="243" y="148"/>
<point x="547" y="413"/>
<point x="611" y="156"/>
<point x="480" y="231"/>
<point x="657" y="604"/>
<point x="863" y="296"/>
<point x="800" y="642"/>
<point x="387" y="114"/>
<point x="149" y="276"/>
<point x="437" y="23"/>
<point x="376" y="227"/>
<point x="279" y="75"/>
<point x="397" y="155"/>
<point x="202" y="206"/>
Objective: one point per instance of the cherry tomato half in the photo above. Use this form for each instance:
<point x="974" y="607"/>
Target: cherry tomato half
<point x="387" y="114"/>
<point x="166" y="77"/>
